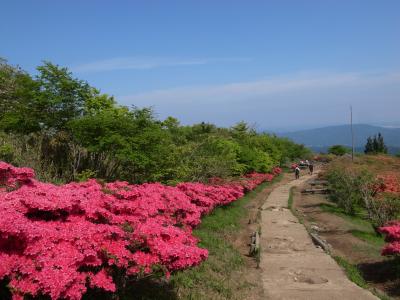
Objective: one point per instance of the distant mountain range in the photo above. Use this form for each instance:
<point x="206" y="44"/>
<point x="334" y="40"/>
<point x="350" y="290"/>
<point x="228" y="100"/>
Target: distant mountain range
<point x="320" y="139"/>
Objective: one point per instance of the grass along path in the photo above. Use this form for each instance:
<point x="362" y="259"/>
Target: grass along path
<point x="228" y="273"/>
<point x="219" y="277"/>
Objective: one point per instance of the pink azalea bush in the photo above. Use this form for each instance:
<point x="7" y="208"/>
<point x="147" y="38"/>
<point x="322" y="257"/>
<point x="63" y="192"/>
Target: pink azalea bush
<point x="392" y="233"/>
<point x="61" y="240"/>
<point x="10" y="177"/>
<point x="389" y="184"/>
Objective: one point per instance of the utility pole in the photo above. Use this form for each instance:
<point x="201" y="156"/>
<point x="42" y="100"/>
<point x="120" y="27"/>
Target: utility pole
<point x="352" y="133"/>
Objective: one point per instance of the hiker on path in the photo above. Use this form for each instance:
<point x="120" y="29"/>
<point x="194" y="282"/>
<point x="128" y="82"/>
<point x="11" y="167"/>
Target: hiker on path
<point x="311" y="168"/>
<point x="297" y="172"/>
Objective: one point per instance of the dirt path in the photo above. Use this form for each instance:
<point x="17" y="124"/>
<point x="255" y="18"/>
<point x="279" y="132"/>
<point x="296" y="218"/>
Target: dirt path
<point x="292" y="267"/>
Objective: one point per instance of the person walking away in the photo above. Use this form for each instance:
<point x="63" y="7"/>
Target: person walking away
<point x="311" y="168"/>
<point x="297" y="172"/>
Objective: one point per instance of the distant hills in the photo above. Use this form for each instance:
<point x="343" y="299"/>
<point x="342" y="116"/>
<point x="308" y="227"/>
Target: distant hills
<point x="320" y="139"/>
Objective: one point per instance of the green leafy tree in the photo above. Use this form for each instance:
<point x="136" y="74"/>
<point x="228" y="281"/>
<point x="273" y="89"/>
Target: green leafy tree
<point x="48" y="101"/>
<point x="255" y="160"/>
<point x="339" y="150"/>
<point x="381" y="144"/>
<point x="213" y="157"/>
<point x="369" y="146"/>
<point x="124" y="144"/>
<point x="375" y="145"/>
<point x="18" y="92"/>
<point x="240" y="130"/>
<point x="67" y="130"/>
<point x="97" y="103"/>
<point x="62" y="98"/>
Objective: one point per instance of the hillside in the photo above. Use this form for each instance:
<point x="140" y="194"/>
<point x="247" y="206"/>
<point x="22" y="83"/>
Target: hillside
<point x="319" y="139"/>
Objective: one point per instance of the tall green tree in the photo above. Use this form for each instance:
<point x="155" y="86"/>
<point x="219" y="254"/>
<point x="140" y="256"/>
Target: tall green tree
<point x="375" y="145"/>
<point x="62" y="97"/>
<point x="18" y="93"/>
<point x="382" y="148"/>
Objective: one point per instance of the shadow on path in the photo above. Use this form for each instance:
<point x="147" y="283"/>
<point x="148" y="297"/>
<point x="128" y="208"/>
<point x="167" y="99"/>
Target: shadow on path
<point x="144" y="289"/>
<point x="386" y="273"/>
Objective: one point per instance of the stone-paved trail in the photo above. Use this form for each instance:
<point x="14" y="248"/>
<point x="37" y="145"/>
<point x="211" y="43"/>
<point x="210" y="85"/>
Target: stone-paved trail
<point x="292" y="266"/>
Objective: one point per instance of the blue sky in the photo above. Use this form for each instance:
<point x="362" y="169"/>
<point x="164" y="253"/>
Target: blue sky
<point x="277" y="64"/>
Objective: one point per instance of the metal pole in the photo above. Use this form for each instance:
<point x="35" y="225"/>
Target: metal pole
<point x="352" y="133"/>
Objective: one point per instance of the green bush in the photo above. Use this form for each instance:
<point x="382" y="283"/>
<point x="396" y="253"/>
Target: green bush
<point x="347" y="188"/>
<point x="338" y="150"/>
<point x="6" y="153"/>
<point x="85" y="175"/>
<point x="353" y="190"/>
<point x="384" y="209"/>
<point x="62" y="127"/>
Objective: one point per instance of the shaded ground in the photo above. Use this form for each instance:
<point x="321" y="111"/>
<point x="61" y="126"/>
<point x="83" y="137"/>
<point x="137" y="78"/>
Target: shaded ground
<point x="353" y="240"/>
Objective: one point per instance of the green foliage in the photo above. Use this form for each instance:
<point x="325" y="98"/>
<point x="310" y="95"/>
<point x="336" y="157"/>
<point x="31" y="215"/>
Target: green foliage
<point x="352" y="272"/>
<point x="345" y="187"/>
<point x="48" y="101"/>
<point x="212" y="157"/>
<point x="6" y="152"/>
<point x="6" y="149"/>
<point x="338" y="150"/>
<point x="353" y="190"/>
<point x="85" y="175"/>
<point x="254" y="159"/>
<point x="375" y="145"/>
<point x="67" y="130"/>
<point x="125" y="144"/>
<point x="18" y="92"/>
<point x="384" y="209"/>
<point x="98" y="103"/>
<point x="61" y="97"/>
<point x="291" y="151"/>
<point x="372" y="238"/>
<point x="207" y="280"/>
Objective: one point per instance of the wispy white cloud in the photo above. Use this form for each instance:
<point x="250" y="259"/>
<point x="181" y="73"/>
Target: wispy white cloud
<point x="302" y="99"/>
<point x="304" y="81"/>
<point x="142" y="63"/>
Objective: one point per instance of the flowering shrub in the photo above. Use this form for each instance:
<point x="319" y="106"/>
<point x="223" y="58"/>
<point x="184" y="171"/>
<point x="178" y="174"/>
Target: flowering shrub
<point x="392" y="232"/>
<point x="61" y="240"/>
<point x="276" y="171"/>
<point x="11" y="177"/>
<point x="252" y="180"/>
<point x="388" y="183"/>
<point x="388" y="188"/>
